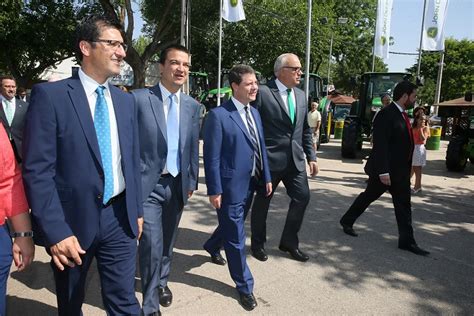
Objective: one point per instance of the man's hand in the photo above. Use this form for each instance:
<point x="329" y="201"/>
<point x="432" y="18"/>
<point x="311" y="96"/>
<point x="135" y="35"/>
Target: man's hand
<point x="269" y="188"/>
<point x="23" y="252"/>
<point x="216" y="200"/>
<point x="67" y="252"/>
<point x="190" y="193"/>
<point x="140" y="227"/>
<point x="385" y="179"/>
<point x="313" y="168"/>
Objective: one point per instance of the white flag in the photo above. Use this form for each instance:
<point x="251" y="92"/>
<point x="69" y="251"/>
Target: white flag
<point x="233" y="10"/>
<point x="382" y="29"/>
<point x="433" y="30"/>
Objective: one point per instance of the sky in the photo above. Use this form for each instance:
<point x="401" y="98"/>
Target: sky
<point x="405" y="28"/>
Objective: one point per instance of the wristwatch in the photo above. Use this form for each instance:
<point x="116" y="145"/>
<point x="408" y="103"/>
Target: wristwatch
<point x="22" y="234"/>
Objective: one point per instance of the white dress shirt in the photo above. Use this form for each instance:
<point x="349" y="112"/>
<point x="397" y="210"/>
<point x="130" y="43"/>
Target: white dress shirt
<point x="90" y="85"/>
<point x="284" y="94"/>
<point x="241" y="109"/>
<point x="165" y="94"/>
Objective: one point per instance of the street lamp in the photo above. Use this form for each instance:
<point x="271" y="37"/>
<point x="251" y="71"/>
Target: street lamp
<point x="340" y="20"/>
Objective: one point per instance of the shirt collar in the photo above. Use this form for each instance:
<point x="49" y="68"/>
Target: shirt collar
<point x="239" y="105"/>
<point x="399" y="107"/>
<point x="281" y="87"/>
<point x="89" y="84"/>
<point x="165" y="94"/>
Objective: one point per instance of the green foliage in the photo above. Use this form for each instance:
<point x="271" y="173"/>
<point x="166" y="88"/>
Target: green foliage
<point x="458" y="72"/>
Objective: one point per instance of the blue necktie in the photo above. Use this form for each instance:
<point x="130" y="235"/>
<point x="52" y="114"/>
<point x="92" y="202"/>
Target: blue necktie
<point x="172" y="131"/>
<point x="102" y="129"/>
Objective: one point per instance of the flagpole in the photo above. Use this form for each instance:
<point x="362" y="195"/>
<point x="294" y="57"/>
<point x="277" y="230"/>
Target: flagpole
<point x="308" y="51"/>
<point x="375" y="37"/>
<point x="219" y="57"/>
<point x="421" y="40"/>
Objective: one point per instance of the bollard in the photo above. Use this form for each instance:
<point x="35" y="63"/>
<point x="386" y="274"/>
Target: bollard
<point x="338" y="128"/>
<point x="434" y="140"/>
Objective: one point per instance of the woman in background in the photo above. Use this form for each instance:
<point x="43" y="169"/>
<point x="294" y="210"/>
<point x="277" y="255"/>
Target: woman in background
<point x="421" y="132"/>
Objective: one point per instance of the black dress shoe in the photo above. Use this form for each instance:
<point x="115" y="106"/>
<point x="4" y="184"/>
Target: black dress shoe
<point x="348" y="229"/>
<point x="295" y="253"/>
<point x="248" y="301"/>
<point x="415" y="249"/>
<point x="166" y="297"/>
<point x="260" y="254"/>
<point x="218" y="259"/>
<point x="157" y="313"/>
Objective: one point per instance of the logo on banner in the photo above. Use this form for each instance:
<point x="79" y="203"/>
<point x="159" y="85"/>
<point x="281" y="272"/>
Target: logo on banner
<point x="432" y="32"/>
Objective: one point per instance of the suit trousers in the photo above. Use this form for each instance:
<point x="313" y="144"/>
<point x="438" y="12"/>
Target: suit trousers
<point x="296" y="184"/>
<point x="400" y="191"/>
<point x="161" y="213"/>
<point x="115" y="249"/>
<point x="6" y="258"/>
<point x="230" y="234"/>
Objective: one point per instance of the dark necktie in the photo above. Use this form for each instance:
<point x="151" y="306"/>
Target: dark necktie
<point x="253" y="138"/>
<point x="102" y="130"/>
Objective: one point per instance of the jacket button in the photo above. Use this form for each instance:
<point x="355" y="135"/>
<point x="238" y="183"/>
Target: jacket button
<point x="99" y="196"/>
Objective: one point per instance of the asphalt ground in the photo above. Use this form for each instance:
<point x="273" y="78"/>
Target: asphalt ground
<point x="345" y="275"/>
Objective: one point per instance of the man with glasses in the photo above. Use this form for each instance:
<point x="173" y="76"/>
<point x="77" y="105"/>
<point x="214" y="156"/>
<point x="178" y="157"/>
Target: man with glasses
<point x="284" y="112"/>
<point x="81" y="171"/>
<point x="169" y="151"/>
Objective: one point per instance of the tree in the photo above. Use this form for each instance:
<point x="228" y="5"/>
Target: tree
<point x="458" y="72"/>
<point x="37" y="35"/>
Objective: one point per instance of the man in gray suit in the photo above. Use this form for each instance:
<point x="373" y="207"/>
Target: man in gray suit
<point x="169" y="153"/>
<point x="12" y="113"/>
<point x="288" y="139"/>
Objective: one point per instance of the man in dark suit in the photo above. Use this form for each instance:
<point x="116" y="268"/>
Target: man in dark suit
<point x="82" y="176"/>
<point x="12" y="113"/>
<point x="389" y="165"/>
<point x="288" y="137"/>
<point x="235" y="161"/>
<point x="169" y="151"/>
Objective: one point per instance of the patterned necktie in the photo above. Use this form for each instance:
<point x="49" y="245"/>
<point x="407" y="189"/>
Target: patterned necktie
<point x="410" y="131"/>
<point x="8" y="107"/>
<point x="172" y="131"/>
<point x="291" y="106"/>
<point x="102" y="129"/>
<point x="253" y="138"/>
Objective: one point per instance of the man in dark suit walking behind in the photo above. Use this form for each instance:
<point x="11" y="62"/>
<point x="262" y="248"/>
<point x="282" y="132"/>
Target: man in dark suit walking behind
<point x="82" y="176"/>
<point x="235" y="161"/>
<point x="12" y="113"/>
<point x="169" y="157"/>
<point x="288" y="138"/>
<point x="389" y="166"/>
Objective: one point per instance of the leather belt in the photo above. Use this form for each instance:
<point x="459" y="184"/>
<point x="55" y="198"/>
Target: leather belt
<point x="115" y="199"/>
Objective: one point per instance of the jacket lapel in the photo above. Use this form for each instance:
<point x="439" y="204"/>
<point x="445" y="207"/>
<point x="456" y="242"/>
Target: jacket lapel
<point x="276" y="94"/>
<point x="235" y="116"/>
<point x="157" y="108"/>
<point x="185" y="122"/>
<point x="78" y="99"/>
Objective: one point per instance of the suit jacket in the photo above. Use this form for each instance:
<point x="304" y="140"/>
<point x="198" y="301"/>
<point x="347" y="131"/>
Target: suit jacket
<point x="15" y="130"/>
<point x="62" y="168"/>
<point x="392" y="146"/>
<point x="285" y="141"/>
<point x="228" y="153"/>
<point x="153" y="139"/>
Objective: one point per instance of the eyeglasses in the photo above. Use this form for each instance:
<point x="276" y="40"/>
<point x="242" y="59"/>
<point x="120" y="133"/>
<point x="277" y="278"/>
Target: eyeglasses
<point x="113" y="43"/>
<point x="293" y="69"/>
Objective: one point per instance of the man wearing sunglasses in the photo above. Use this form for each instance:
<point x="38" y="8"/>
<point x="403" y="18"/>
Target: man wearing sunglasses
<point x="82" y="174"/>
<point x="284" y="112"/>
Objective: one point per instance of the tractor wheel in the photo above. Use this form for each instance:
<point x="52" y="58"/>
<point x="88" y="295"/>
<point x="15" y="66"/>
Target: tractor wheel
<point x="349" y="138"/>
<point x="456" y="155"/>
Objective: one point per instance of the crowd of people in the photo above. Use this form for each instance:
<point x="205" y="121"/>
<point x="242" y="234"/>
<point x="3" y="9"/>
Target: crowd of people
<point x="101" y="169"/>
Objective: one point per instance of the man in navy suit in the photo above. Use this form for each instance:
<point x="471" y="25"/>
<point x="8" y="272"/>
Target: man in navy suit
<point x="235" y="160"/>
<point x="389" y="166"/>
<point x="169" y="158"/>
<point x="12" y="113"/>
<point x="81" y="172"/>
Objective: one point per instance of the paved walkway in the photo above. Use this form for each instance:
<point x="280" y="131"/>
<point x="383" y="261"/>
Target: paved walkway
<point x="345" y="275"/>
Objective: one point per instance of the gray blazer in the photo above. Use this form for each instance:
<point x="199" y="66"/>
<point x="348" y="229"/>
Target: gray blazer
<point x="153" y="140"/>
<point x="18" y="123"/>
<point x="285" y="141"/>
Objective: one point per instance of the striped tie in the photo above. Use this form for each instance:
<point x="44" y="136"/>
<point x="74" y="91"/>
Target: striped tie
<point x="253" y="138"/>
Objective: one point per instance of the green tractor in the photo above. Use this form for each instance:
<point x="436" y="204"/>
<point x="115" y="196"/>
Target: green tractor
<point x="358" y="125"/>
<point x="315" y="86"/>
<point x="461" y="144"/>
<point x="198" y="85"/>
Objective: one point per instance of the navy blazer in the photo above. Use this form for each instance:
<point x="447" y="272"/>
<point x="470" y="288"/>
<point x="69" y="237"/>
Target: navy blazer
<point x="15" y="130"/>
<point x="154" y="149"/>
<point x="62" y="168"/>
<point x="285" y="141"/>
<point x="228" y="153"/>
